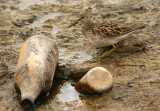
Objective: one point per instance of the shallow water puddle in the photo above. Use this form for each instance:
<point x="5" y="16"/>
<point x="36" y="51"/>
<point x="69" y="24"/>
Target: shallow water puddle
<point x="75" y="56"/>
<point x="63" y="94"/>
<point x="68" y="93"/>
<point x="55" y="29"/>
<point x="113" y="1"/>
<point x="24" y="4"/>
<point x="40" y="22"/>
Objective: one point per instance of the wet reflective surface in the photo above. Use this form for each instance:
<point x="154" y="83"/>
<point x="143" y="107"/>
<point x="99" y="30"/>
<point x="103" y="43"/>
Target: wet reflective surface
<point x="68" y="93"/>
<point x="135" y="72"/>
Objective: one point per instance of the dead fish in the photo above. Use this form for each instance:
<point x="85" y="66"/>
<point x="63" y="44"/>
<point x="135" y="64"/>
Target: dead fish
<point x="35" y="68"/>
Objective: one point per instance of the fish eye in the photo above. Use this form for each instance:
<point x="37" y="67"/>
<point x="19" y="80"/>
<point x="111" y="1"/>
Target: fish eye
<point x="82" y="17"/>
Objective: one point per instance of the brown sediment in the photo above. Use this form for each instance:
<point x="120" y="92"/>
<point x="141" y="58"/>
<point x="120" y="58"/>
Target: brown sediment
<point x="77" y="74"/>
<point x="129" y="63"/>
<point x="84" y="88"/>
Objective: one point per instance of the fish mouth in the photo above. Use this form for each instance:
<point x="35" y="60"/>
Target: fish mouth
<point x="74" y="23"/>
<point x="27" y="103"/>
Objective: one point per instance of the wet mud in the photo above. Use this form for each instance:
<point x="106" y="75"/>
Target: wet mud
<point x="135" y="65"/>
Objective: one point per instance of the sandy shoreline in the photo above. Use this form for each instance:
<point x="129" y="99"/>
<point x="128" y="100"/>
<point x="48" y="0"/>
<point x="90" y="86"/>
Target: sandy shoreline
<point x="135" y="71"/>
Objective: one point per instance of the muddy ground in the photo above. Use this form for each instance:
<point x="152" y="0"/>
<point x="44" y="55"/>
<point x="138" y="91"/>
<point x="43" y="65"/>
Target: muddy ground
<point x="135" y="66"/>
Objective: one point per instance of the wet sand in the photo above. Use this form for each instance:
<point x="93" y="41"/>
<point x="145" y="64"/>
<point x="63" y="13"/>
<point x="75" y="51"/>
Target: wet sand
<point x="135" y="65"/>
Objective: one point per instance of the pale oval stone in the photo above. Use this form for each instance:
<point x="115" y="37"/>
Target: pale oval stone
<point x="98" y="79"/>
